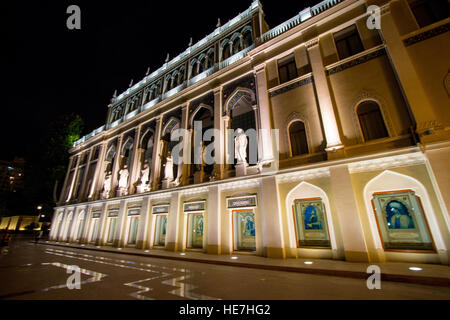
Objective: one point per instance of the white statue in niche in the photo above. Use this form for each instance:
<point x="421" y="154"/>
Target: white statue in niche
<point x="168" y="170"/>
<point x="107" y="185"/>
<point x="145" y="172"/>
<point x="240" y="146"/>
<point x="123" y="180"/>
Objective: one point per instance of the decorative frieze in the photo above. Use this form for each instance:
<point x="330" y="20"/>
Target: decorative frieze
<point x="161" y="209"/>
<point x="426" y="34"/>
<point x="242" y="202"/>
<point x="194" y="206"/>
<point x="292" y="86"/>
<point x="357" y="61"/>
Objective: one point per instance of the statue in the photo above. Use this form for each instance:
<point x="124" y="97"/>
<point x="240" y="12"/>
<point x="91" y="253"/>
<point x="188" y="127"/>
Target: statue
<point x="107" y="184"/>
<point x="145" y="174"/>
<point x="168" y="170"/>
<point x="240" y="146"/>
<point x="123" y="180"/>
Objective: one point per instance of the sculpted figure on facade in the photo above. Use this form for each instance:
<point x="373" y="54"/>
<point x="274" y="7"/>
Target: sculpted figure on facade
<point x="145" y="173"/>
<point x="123" y="180"/>
<point x="107" y="185"/>
<point x="168" y="170"/>
<point x="240" y="146"/>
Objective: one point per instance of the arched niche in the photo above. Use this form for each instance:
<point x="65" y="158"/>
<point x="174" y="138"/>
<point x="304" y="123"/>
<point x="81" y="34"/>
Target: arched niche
<point x="243" y="114"/>
<point x="305" y="190"/>
<point x="391" y="182"/>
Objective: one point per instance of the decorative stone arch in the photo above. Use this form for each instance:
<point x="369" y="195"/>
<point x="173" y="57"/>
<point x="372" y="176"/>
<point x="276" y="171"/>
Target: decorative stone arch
<point x="201" y="57"/>
<point x="194" y="113"/>
<point x="235" y="36"/>
<point x="394" y="181"/>
<point x="128" y="144"/>
<point x="147" y="133"/>
<point x="245" y="92"/>
<point x="247" y="29"/>
<point x="305" y="190"/>
<point x="171" y="124"/>
<point x="110" y="154"/>
<point x="224" y="42"/>
<point x="293" y="117"/>
<point x="384" y="106"/>
<point x="224" y="45"/>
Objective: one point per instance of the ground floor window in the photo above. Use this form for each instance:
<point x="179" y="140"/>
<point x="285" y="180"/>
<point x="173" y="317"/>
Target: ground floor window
<point x="311" y="227"/>
<point x="132" y="234"/>
<point x="401" y="221"/>
<point x="160" y="230"/>
<point x="94" y="229"/>
<point x="111" y="229"/>
<point x="244" y="230"/>
<point x="195" y="230"/>
<point x="80" y="229"/>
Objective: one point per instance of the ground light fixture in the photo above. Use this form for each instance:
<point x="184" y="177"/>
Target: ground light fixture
<point x="234" y="258"/>
<point x="308" y="262"/>
<point x="147" y="251"/>
<point x="182" y="254"/>
<point x="415" y="269"/>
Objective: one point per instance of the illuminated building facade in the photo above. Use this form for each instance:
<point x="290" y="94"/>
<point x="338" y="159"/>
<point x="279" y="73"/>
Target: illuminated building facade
<point x="358" y="171"/>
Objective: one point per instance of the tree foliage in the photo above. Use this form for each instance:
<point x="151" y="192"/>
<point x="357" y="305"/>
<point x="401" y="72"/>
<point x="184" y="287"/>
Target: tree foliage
<point x="47" y="159"/>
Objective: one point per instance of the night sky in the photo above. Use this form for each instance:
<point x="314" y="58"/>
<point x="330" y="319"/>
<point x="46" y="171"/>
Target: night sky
<point x="48" y="70"/>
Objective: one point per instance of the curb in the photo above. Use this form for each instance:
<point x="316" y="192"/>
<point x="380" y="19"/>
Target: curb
<point x="422" y="280"/>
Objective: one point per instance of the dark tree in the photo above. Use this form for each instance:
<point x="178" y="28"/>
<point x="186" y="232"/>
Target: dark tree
<point x="46" y="162"/>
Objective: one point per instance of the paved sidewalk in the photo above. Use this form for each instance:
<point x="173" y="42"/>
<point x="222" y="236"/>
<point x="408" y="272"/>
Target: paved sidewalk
<point x="431" y="274"/>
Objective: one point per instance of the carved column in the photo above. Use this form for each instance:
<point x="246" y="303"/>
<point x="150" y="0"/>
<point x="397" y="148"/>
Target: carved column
<point x="66" y="182"/>
<point x="97" y="182"/>
<point x="135" y="170"/>
<point x="226" y="126"/>
<point x="219" y="125"/>
<point x="86" y="170"/>
<point x="265" y="137"/>
<point x="324" y="98"/>
<point x="183" y="169"/>
<point x="115" y="168"/>
<point x="74" y="178"/>
<point x="156" y="159"/>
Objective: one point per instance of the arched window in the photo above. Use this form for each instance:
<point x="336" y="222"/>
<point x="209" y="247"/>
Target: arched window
<point x="248" y="41"/>
<point x="225" y="50"/>
<point x="194" y="68"/>
<point x="237" y="45"/>
<point x="371" y="121"/>
<point x="210" y="59"/>
<point x="202" y="65"/>
<point x="297" y="138"/>
<point x="181" y="76"/>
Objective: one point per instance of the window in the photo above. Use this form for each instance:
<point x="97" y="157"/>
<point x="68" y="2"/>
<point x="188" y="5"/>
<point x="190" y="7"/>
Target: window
<point x="287" y="70"/>
<point x="248" y="41"/>
<point x="371" y="121"/>
<point x="401" y="221"/>
<point x="310" y="223"/>
<point x="160" y="230"/>
<point x="195" y="230"/>
<point x="244" y="230"/>
<point x="430" y="11"/>
<point x="111" y="230"/>
<point x="348" y="42"/>
<point x="226" y="51"/>
<point x="94" y="230"/>
<point x="297" y="138"/>
<point x="134" y="223"/>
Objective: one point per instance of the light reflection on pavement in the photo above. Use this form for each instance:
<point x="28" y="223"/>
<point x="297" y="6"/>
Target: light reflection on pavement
<point x="183" y="290"/>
